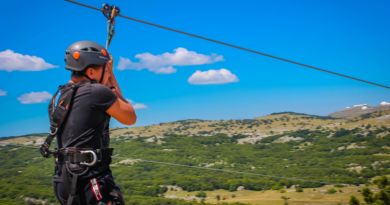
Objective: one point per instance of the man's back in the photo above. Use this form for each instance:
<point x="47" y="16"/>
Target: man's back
<point x="87" y="123"/>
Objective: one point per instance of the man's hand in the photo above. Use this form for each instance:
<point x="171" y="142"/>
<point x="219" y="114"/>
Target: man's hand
<point x="108" y="73"/>
<point x="121" y="110"/>
<point x="110" y="80"/>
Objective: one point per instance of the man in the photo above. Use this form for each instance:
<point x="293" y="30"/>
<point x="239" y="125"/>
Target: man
<point x="79" y="119"/>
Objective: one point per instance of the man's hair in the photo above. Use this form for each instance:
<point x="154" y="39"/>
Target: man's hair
<point x="79" y="74"/>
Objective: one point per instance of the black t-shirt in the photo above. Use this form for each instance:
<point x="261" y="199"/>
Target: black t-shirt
<point x="87" y="125"/>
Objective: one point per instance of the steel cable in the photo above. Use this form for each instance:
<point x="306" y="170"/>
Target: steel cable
<point x="237" y="47"/>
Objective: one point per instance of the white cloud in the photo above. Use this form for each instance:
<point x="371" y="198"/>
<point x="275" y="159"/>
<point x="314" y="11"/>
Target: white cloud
<point x="164" y="63"/>
<point x="3" y="92"/>
<point x="384" y="103"/>
<point x="360" y="105"/>
<point x="221" y="76"/>
<point x="11" y="61"/>
<point x="34" y="97"/>
<point x="137" y="106"/>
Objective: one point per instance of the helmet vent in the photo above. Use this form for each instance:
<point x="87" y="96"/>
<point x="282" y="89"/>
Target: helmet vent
<point x="94" y="49"/>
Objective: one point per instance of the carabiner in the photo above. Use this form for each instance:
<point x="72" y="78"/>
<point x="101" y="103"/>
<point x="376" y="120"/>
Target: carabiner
<point x="94" y="158"/>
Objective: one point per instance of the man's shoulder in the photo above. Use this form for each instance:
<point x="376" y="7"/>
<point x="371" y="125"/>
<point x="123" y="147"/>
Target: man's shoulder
<point x="102" y="96"/>
<point x="101" y="91"/>
<point x="99" y="87"/>
<point x="95" y="90"/>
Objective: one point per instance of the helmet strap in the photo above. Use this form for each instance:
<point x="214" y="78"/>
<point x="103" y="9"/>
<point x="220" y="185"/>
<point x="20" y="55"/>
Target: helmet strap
<point x="85" y="75"/>
<point x="102" y="77"/>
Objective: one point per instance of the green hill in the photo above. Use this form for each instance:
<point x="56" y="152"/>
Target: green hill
<point x="283" y="151"/>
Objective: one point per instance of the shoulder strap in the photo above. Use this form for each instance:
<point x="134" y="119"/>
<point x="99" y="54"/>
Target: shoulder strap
<point x="63" y="108"/>
<point x="58" y="113"/>
<point x="52" y="107"/>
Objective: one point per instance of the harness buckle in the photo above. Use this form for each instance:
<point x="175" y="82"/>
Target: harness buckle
<point x="94" y="158"/>
<point x="53" y="133"/>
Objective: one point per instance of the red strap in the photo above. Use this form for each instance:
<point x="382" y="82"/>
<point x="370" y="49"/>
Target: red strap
<point x="95" y="189"/>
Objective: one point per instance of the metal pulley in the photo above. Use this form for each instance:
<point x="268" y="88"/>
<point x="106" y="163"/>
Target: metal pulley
<point x="110" y="12"/>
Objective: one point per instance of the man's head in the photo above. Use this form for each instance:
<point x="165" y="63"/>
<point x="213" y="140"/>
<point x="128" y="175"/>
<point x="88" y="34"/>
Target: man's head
<point x="86" y="59"/>
<point x="92" y="72"/>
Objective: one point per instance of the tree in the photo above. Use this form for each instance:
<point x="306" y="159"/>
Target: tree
<point x="232" y="187"/>
<point x="368" y="196"/>
<point x="201" y="194"/>
<point x="382" y="182"/>
<point x="218" y="197"/>
<point x="382" y="198"/>
<point x="331" y="191"/>
<point x="299" y="189"/>
<point x="285" y="198"/>
<point x="354" y="201"/>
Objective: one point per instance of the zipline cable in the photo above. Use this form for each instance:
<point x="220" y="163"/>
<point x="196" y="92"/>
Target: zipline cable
<point x="202" y="168"/>
<point x="238" y="47"/>
<point x="231" y="171"/>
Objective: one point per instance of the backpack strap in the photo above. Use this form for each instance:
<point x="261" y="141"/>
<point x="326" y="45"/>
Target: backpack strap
<point x="58" y="114"/>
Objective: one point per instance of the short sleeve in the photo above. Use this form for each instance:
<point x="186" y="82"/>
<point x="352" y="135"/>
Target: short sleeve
<point x="102" y="97"/>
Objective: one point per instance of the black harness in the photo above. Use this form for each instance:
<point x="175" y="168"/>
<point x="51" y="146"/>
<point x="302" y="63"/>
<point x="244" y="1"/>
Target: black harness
<point x="58" y="113"/>
<point x="76" y="161"/>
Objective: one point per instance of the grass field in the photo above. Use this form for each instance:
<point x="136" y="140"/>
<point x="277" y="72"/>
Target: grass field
<point x="274" y="197"/>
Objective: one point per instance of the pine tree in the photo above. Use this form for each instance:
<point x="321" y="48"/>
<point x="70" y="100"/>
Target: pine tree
<point x="354" y="201"/>
<point x="368" y="195"/>
<point x="382" y="198"/>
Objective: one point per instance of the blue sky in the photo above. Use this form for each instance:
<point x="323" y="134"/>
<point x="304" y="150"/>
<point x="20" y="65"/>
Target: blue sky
<point x="350" y="37"/>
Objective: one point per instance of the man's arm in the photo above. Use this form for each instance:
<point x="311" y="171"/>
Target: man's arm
<point x="121" y="110"/>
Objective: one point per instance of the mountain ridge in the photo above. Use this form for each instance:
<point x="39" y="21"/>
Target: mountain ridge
<point x="359" y="110"/>
<point x="249" y="130"/>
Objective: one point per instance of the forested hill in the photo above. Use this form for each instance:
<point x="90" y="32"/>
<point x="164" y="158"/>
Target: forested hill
<point x="250" y="130"/>
<point x="286" y="150"/>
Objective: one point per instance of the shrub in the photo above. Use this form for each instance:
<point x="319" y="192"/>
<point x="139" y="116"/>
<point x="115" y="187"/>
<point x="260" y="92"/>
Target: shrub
<point x="331" y="191"/>
<point x="299" y="189"/>
<point x="354" y="201"/>
<point x="201" y="194"/>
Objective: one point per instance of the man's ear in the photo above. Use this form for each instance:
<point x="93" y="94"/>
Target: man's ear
<point x="88" y="71"/>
